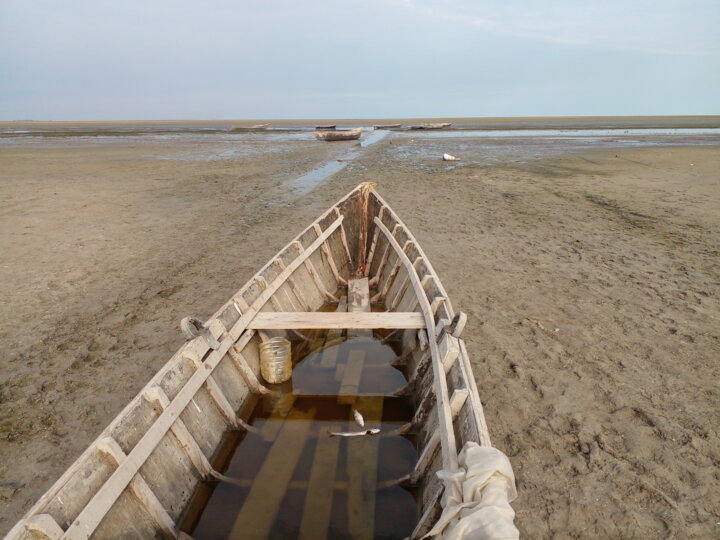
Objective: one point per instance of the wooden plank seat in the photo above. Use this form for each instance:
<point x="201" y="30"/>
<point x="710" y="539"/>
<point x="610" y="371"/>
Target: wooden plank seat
<point x="298" y="320"/>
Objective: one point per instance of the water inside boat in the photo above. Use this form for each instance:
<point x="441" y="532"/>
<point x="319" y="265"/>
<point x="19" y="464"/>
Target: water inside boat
<point x="292" y="479"/>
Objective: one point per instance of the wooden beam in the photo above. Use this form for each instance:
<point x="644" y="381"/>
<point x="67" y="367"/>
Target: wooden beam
<point x="294" y="287"/>
<point x="261" y="506"/>
<point x="246" y="372"/>
<point x="447" y="434"/>
<point x="156" y="395"/>
<point x="316" y="278"/>
<point x="458" y="400"/>
<point x="328" y="256"/>
<point x="374" y="280"/>
<point x="313" y="320"/>
<point x="43" y="525"/>
<point x="146" y="496"/>
<point x="368" y="261"/>
<point x="96" y="509"/>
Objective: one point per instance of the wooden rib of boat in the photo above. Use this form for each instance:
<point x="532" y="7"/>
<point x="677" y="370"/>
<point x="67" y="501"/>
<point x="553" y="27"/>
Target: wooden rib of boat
<point x="440" y="125"/>
<point x="327" y="127"/>
<point x="387" y="126"/>
<point x="339" y="135"/>
<point x="136" y="478"/>
<point x="241" y="129"/>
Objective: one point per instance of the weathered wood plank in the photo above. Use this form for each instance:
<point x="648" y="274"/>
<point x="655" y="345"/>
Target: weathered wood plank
<point x="447" y="435"/>
<point x="155" y="394"/>
<point x="257" y="515"/>
<point x="457" y="401"/>
<point x="329" y="258"/>
<point x="43" y="525"/>
<point x="314" y="320"/>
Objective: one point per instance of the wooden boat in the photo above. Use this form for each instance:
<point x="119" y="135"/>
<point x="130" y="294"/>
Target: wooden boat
<point x="440" y="125"/>
<point x="340" y="135"/>
<point x="387" y="126"/>
<point x="138" y="477"/>
<point x="241" y="129"/>
<point x="328" y="127"/>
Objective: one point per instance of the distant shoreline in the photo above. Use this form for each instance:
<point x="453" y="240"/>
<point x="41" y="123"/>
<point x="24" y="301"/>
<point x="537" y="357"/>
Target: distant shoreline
<point x="489" y="123"/>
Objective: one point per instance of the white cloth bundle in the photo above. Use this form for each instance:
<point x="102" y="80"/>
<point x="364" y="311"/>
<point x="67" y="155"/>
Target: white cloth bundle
<point x="476" y="502"/>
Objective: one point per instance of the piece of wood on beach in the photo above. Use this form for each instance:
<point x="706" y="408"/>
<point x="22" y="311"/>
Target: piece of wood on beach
<point x="258" y="514"/>
<point x="362" y="467"/>
<point x="320" y="488"/>
<point x="359" y="302"/>
<point x="329" y="356"/>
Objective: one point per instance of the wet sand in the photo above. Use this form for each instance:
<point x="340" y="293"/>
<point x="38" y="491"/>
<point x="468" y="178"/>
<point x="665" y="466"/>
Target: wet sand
<point x="590" y="277"/>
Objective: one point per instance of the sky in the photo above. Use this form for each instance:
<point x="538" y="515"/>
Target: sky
<point x="181" y="59"/>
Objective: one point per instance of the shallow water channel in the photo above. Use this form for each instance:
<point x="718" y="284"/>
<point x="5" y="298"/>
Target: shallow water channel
<point x="292" y="479"/>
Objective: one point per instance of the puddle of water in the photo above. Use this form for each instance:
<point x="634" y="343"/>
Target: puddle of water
<point x="307" y="182"/>
<point x="292" y="476"/>
<point x="372" y="137"/>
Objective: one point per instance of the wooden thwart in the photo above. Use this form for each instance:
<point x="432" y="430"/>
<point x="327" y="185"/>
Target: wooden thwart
<point x="296" y="320"/>
<point x="447" y="435"/>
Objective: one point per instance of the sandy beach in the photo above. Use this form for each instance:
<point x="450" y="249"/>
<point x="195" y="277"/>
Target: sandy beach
<point x="590" y="275"/>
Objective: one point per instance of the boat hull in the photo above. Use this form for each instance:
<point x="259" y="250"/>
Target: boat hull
<point x="137" y="478"/>
<point x="346" y="135"/>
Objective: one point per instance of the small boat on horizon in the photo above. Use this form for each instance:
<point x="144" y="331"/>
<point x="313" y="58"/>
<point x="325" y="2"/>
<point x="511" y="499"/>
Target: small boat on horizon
<point x="327" y="127"/>
<point x="437" y="125"/>
<point x="340" y="135"/>
<point x="256" y="127"/>
<point x="387" y="126"/>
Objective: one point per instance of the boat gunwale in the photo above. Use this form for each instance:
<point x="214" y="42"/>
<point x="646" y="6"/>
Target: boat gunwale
<point x="467" y="368"/>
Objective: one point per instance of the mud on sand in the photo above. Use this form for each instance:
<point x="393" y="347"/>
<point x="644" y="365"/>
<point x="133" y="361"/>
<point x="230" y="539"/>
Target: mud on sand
<point x="590" y="281"/>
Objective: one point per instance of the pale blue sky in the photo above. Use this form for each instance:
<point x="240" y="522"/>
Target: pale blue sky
<point x="181" y="59"/>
